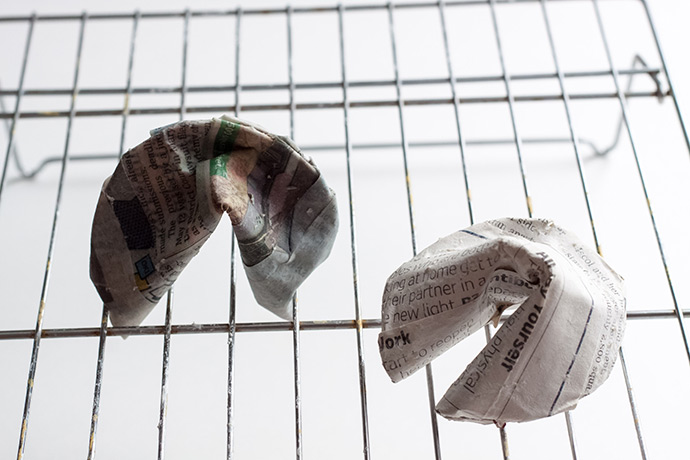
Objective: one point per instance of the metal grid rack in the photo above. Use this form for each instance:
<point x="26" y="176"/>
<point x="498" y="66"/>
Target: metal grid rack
<point x="608" y="90"/>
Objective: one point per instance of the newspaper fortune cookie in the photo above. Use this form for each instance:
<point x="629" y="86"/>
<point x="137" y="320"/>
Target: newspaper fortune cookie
<point x="168" y="194"/>
<point x="558" y="345"/>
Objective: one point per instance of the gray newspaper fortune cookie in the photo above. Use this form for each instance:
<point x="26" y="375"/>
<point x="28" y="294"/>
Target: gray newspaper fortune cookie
<point x="558" y="345"/>
<point x="168" y="194"/>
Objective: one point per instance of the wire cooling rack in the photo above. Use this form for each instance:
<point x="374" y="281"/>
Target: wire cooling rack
<point x="478" y="109"/>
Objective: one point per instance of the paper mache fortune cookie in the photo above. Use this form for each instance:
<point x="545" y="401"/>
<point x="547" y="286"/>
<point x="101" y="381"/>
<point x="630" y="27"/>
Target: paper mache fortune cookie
<point x="168" y="194"/>
<point x="559" y="344"/>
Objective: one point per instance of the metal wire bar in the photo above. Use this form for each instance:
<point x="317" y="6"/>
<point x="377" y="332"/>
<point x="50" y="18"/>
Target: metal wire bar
<point x="631" y="399"/>
<point x="185" y="46"/>
<point x="621" y="122"/>
<point x="574" y="138"/>
<point x="626" y="118"/>
<point x="518" y="148"/>
<point x="169" y="299"/>
<point x="511" y="104"/>
<point x="672" y="91"/>
<point x="401" y="119"/>
<point x="408" y="189"/>
<point x="502" y="430"/>
<point x="367" y="146"/>
<point x="163" y="409"/>
<point x="291" y="82"/>
<point x="51" y="249"/>
<point x="633" y="72"/>
<point x="128" y="90"/>
<point x="456" y="108"/>
<point x="571" y="435"/>
<point x="231" y="329"/>
<point x="238" y="86"/>
<point x="233" y="270"/>
<point x="266" y="11"/>
<point x="105" y="315"/>
<point x="323" y="105"/>
<point x="220" y="328"/>
<point x="17" y="102"/>
<point x="505" y="448"/>
<point x="576" y="150"/>
<point x="8" y="128"/>
<point x="295" y="309"/>
<point x="633" y="407"/>
<point x="353" y="241"/>
<point x="97" y="386"/>
<point x="653" y="73"/>
<point x="571" y="126"/>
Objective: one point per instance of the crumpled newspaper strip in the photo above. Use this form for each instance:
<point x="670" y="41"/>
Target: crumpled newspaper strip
<point x="168" y="194"/>
<point x="559" y="344"/>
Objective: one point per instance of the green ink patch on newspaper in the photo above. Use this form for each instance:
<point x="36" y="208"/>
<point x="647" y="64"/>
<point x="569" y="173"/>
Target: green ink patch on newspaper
<point x="219" y="164"/>
<point x="225" y="139"/>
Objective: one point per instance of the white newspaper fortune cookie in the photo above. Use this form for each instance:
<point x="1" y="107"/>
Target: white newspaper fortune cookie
<point x="559" y="344"/>
<point x="168" y="194"/>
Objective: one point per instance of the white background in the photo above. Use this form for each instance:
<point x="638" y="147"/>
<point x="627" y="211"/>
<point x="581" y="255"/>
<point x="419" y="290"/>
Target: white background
<point x="398" y="414"/>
